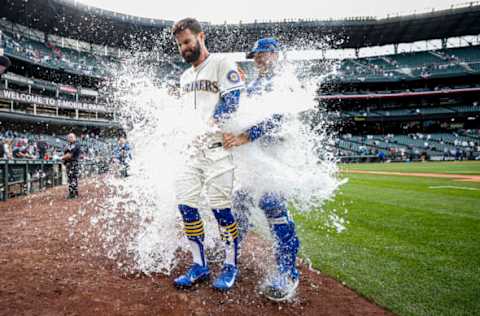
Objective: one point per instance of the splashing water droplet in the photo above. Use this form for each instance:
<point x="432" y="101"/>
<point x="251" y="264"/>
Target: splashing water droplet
<point x="138" y="219"/>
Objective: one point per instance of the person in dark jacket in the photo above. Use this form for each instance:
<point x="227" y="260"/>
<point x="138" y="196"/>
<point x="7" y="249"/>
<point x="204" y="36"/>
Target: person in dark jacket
<point x="70" y="158"/>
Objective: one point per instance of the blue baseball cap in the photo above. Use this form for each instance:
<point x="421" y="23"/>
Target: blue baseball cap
<point x="268" y="44"/>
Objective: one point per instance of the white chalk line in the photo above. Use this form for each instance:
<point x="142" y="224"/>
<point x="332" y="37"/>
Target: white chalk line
<point x="453" y="187"/>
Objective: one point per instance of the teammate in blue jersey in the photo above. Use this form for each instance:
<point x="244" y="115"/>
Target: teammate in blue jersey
<point x="283" y="284"/>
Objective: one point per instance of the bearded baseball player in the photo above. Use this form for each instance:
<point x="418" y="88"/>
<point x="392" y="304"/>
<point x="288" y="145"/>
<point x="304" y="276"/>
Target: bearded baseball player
<point x="211" y="87"/>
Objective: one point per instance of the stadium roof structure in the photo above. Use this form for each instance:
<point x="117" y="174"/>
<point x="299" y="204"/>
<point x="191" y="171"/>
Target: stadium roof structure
<point x="71" y="19"/>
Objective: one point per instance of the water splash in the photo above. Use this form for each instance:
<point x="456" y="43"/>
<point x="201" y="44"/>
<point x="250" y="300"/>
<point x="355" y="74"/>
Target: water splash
<point x="138" y="220"/>
<point x="298" y="163"/>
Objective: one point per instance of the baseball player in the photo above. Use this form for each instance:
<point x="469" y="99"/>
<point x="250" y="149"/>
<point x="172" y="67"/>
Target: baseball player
<point x="70" y="158"/>
<point x="283" y="284"/>
<point x="211" y="87"/>
<point x="122" y="155"/>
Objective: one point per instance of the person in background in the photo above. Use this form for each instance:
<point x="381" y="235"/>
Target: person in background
<point x="122" y="155"/>
<point x="21" y="150"/>
<point x="71" y="157"/>
<point x="4" y="62"/>
<point x="8" y="148"/>
<point x="42" y="148"/>
<point x="3" y="151"/>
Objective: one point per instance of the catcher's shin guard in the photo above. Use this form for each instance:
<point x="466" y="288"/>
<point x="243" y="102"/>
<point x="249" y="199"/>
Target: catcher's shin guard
<point x="283" y="229"/>
<point x="242" y="205"/>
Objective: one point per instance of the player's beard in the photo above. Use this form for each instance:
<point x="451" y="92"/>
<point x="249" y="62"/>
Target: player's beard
<point x="194" y="54"/>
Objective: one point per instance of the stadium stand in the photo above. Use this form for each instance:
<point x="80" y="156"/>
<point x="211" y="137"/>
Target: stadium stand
<point x="440" y="146"/>
<point x="50" y="146"/>
<point x="353" y="32"/>
<point x="51" y="51"/>
<point x="411" y="66"/>
<point x="385" y="102"/>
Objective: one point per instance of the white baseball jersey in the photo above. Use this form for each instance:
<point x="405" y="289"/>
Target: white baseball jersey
<point x="212" y="168"/>
<point x="204" y="85"/>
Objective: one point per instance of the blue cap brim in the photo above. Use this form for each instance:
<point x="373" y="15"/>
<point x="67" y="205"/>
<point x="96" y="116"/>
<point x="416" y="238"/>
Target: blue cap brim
<point x="252" y="53"/>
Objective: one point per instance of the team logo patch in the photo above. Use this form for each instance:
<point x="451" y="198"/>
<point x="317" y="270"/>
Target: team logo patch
<point x="233" y="76"/>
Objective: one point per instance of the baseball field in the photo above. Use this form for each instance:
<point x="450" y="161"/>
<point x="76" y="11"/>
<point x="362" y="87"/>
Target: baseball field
<point x="410" y="247"/>
<point x="412" y="242"/>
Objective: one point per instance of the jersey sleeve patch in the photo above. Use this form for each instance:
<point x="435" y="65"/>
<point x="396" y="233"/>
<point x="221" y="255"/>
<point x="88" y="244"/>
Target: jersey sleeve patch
<point x="233" y="76"/>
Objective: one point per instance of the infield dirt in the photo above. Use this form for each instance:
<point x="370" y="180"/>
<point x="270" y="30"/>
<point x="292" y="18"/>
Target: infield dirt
<point x="44" y="271"/>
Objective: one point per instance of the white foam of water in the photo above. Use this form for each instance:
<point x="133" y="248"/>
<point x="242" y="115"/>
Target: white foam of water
<point x="139" y="221"/>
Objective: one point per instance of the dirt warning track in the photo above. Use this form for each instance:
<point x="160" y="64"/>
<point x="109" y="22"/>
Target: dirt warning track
<point x="44" y="271"/>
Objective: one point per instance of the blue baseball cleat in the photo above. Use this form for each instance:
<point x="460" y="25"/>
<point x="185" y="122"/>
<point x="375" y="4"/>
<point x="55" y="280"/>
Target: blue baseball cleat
<point x="226" y="279"/>
<point x="281" y="287"/>
<point x="193" y="275"/>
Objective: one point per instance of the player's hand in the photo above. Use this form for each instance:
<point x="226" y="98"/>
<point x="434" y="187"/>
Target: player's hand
<point x="230" y="140"/>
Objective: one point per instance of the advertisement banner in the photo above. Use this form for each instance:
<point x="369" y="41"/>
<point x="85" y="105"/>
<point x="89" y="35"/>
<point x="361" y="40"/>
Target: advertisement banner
<point x="41" y="100"/>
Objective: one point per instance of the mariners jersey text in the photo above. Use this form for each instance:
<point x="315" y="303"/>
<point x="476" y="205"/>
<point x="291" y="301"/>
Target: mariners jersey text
<point x="201" y="85"/>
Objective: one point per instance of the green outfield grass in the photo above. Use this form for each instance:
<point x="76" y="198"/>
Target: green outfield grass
<point x="455" y="167"/>
<point x="412" y="244"/>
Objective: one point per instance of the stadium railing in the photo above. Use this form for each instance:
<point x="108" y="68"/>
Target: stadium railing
<point x="359" y="158"/>
<point x="22" y="176"/>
